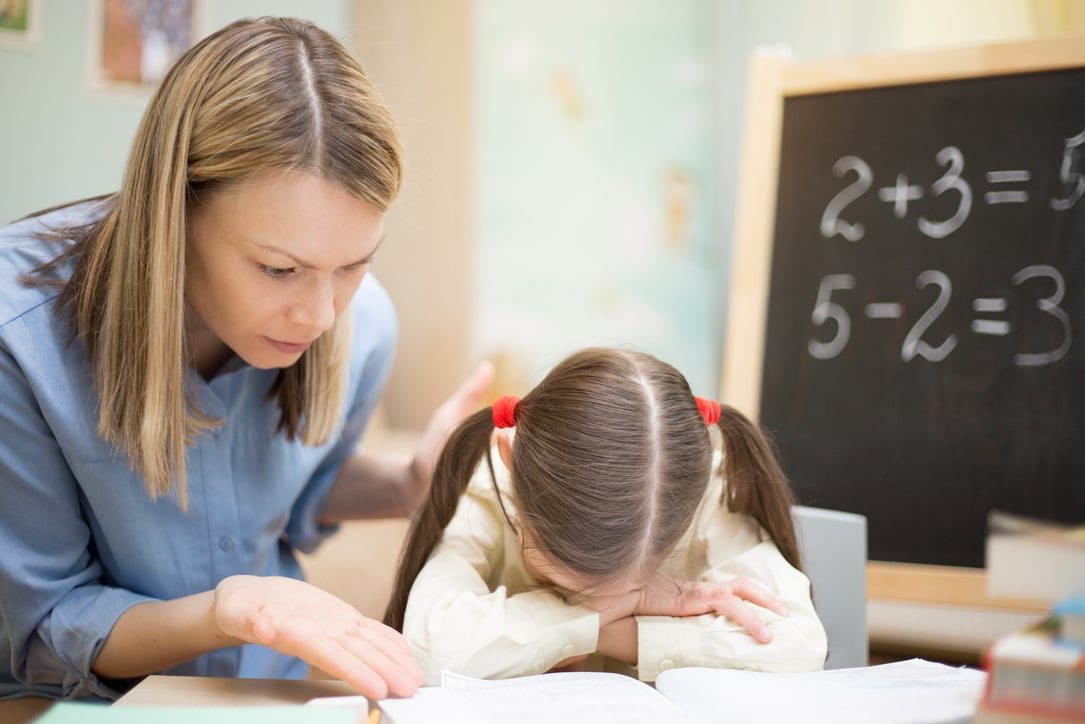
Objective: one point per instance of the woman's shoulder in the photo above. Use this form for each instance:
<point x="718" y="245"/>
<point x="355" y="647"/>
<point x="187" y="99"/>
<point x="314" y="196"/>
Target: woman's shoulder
<point x="30" y="242"/>
<point x="48" y="228"/>
<point x="25" y="245"/>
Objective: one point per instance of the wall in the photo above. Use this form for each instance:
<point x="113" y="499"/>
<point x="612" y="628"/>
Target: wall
<point x="63" y="142"/>
<point x="474" y="250"/>
<point x="595" y="184"/>
<point x="418" y="52"/>
<point x="815" y="29"/>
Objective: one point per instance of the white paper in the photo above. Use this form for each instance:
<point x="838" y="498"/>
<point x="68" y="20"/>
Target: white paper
<point x="904" y="692"/>
<point x="560" y="698"/>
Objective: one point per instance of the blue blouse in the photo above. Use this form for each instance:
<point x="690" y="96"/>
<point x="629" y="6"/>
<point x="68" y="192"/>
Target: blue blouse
<point x="80" y="539"/>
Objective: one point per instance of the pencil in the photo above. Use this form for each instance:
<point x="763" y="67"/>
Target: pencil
<point x="374" y="717"/>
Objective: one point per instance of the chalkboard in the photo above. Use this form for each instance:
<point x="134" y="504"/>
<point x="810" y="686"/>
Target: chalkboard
<point x="922" y="351"/>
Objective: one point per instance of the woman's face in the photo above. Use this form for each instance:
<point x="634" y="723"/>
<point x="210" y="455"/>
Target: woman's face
<point x="270" y="263"/>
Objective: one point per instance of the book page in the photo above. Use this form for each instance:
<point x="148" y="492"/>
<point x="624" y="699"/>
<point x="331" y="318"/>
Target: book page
<point x="566" y="697"/>
<point x="904" y="691"/>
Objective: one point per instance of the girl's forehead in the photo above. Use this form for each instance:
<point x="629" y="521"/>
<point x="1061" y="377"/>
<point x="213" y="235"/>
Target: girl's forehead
<point x="543" y="566"/>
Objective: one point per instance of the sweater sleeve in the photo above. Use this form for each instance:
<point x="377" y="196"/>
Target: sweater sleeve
<point x="457" y="621"/>
<point x="722" y="547"/>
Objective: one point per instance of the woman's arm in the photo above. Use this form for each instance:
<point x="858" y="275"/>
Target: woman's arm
<point x="369" y="486"/>
<point x="287" y="615"/>
<point x="156" y="635"/>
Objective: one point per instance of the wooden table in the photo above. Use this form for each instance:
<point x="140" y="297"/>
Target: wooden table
<point x="196" y="691"/>
<point x="221" y="691"/>
<point x="21" y="711"/>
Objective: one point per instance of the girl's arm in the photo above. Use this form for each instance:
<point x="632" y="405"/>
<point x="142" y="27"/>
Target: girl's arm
<point x="456" y="620"/>
<point x="681" y="599"/>
<point x="733" y="549"/>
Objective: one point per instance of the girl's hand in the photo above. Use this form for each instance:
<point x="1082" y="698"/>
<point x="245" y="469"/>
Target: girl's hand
<point x="298" y="619"/>
<point x="665" y="597"/>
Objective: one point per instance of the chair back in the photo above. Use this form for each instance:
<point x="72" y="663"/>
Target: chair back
<point x="833" y="545"/>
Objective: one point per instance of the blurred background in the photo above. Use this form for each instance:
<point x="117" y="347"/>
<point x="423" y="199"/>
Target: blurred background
<point x="572" y="164"/>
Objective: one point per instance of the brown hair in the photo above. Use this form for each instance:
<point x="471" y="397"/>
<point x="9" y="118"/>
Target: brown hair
<point x="258" y="95"/>
<point x="610" y="463"/>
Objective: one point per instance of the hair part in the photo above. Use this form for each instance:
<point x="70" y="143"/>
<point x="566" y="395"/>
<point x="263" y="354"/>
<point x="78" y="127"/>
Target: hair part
<point x="256" y="96"/>
<point x="610" y="462"/>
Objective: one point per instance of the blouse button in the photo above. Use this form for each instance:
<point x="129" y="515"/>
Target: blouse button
<point x="666" y="664"/>
<point x="567" y="650"/>
<point x="225" y="543"/>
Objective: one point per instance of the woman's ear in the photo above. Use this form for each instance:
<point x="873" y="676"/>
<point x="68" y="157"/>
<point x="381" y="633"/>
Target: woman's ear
<point x="504" y="446"/>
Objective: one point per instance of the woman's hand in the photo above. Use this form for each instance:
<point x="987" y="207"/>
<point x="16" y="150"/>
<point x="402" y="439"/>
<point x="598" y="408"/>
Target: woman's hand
<point x="374" y="486"/>
<point x="298" y="619"/>
<point x="668" y="597"/>
<point x="466" y="399"/>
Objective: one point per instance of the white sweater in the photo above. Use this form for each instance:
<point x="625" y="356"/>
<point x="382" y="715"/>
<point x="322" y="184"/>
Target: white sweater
<point x="474" y="609"/>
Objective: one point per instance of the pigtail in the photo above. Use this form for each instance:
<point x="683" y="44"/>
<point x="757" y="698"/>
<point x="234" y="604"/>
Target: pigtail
<point x="457" y="462"/>
<point x="755" y="483"/>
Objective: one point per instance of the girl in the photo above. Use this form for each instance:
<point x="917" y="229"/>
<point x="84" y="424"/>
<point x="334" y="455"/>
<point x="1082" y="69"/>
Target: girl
<point x="185" y="369"/>
<point x="607" y="530"/>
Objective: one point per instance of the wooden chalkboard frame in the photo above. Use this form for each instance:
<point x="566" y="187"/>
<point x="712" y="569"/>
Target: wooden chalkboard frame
<point x="773" y="78"/>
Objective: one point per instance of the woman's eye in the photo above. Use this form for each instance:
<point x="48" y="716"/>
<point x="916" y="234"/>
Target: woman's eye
<point x="276" y="272"/>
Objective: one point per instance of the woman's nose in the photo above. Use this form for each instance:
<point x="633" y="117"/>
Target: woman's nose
<point x="316" y="309"/>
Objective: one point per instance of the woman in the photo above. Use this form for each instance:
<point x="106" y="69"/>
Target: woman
<point x="185" y="369"/>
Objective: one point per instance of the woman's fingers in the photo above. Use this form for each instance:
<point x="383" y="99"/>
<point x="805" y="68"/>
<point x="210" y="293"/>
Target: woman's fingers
<point x="365" y="673"/>
<point x="388" y="653"/>
<point x="368" y="655"/>
<point x="298" y="619"/>
<point x="466" y="399"/>
<point x="374" y="665"/>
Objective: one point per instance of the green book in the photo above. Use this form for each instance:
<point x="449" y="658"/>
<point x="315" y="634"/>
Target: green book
<point x="73" y="712"/>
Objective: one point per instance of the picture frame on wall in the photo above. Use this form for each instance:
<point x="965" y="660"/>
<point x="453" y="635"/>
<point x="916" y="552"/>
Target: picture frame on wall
<point x="20" y="24"/>
<point x="133" y="43"/>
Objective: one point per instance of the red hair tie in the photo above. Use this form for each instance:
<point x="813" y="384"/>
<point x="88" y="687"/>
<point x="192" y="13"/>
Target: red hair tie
<point x="710" y="410"/>
<point x="504" y="409"/>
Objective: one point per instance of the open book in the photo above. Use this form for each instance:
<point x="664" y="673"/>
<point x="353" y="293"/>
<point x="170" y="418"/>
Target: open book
<point x="907" y="691"/>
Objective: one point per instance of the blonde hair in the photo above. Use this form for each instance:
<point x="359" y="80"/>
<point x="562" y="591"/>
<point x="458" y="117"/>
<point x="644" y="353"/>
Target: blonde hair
<point x="271" y="93"/>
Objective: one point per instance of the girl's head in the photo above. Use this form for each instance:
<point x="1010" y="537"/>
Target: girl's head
<point x="608" y="464"/>
<point x="259" y="100"/>
<point x="610" y="459"/>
